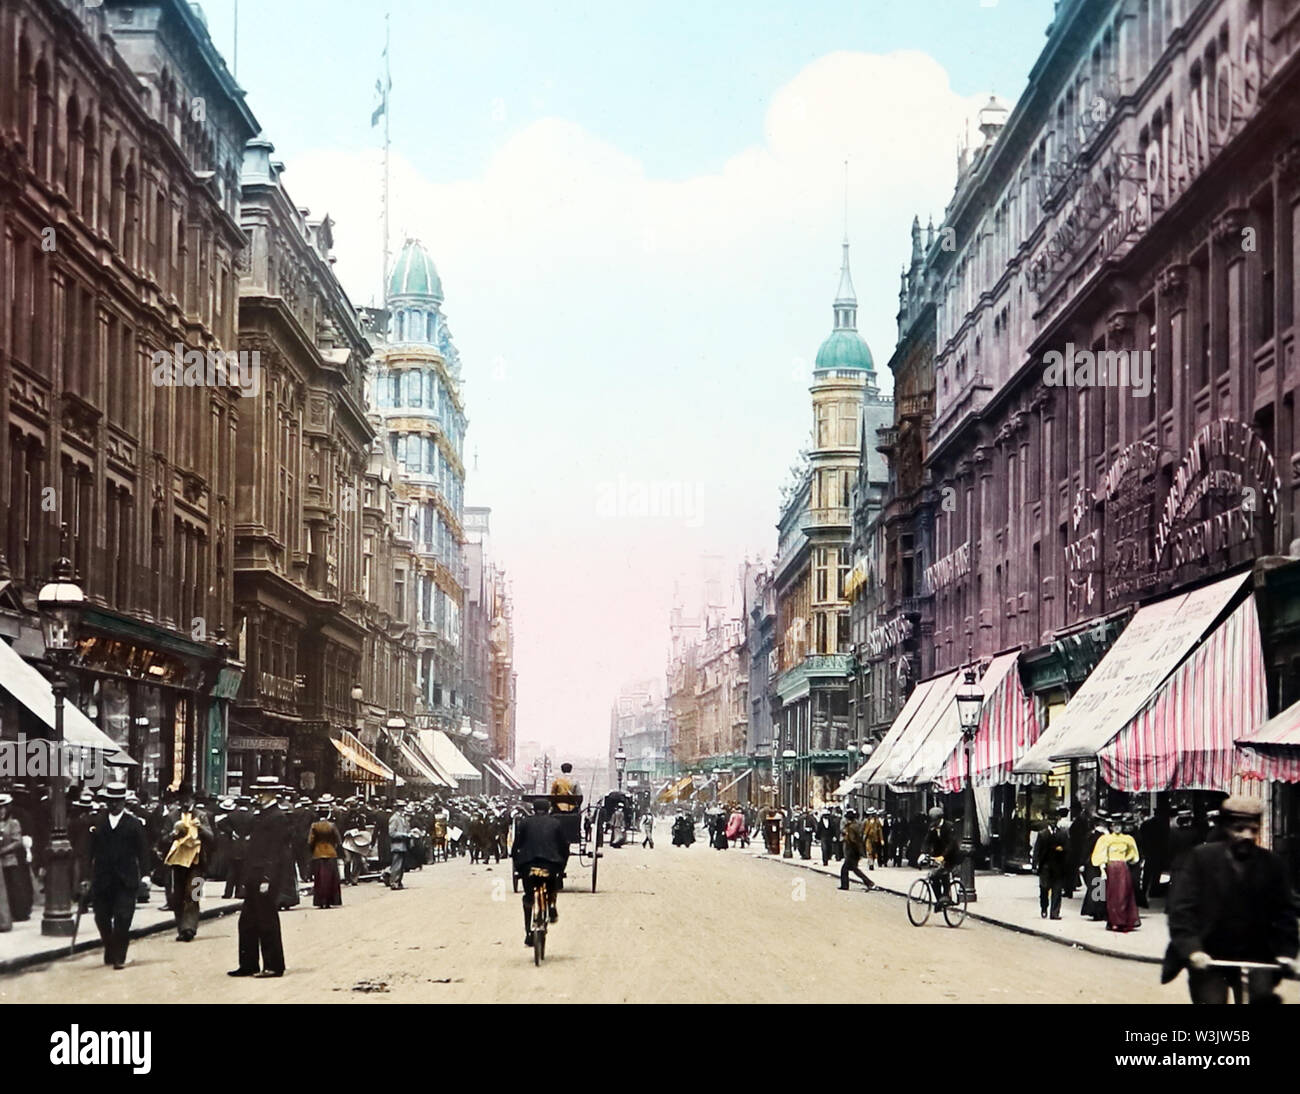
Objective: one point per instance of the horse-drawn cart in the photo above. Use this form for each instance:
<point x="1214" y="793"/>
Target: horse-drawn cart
<point x="583" y="828"/>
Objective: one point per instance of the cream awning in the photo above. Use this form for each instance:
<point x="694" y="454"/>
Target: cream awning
<point x="442" y="749"/>
<point x="25" y="683"/>
<point x="369" y="767"/>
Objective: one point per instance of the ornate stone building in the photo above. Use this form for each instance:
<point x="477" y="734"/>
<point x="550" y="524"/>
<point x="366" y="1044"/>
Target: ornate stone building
<point x="416" y="388"/>
<point x="304" y="451"/>
<point x="121" y="135"/>
<point x="813" y="557"/>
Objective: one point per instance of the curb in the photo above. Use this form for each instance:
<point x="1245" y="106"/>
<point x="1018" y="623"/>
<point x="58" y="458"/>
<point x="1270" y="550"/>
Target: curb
<point x="54" y="951"/>
<point x="1090" y="947"/>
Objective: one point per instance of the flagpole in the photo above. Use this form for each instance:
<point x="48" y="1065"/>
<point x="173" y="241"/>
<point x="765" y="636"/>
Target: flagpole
<point x="388" y="83"/>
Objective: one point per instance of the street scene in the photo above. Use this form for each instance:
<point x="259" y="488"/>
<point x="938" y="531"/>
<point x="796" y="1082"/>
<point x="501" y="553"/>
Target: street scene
<point x="847" y="552"/>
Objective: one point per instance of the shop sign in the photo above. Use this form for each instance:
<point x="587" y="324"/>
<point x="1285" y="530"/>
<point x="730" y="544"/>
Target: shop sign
<point x="888" y="635"/>
<point x="258" y="744"/>
<point x="1128" y="493"/>
<point x="952" y="567"/>
<point x="1226" y="484"/>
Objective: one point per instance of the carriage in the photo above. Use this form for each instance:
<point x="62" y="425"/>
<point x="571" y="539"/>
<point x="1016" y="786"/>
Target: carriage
<point x="584" y="828"/>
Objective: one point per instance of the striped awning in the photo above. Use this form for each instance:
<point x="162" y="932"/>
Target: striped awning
<point x="360" y="764"/>
<point x="1184" y="737"/>
<point x="1151" y="648"/>
<point x="423" y="768"/>
<point x="1009" y="725"/>
<point x="724" y="789"/>
<point x="1271" y="753"/>
<point x="502" y="771"/>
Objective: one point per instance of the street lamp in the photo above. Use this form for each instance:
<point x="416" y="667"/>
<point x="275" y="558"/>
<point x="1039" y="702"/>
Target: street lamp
<point x="788" y="758"/>
<point x="970" y="704"/>
<point x="396" y="726"/>
<point x="59" y="603"/>
<point x="620" y="764"/>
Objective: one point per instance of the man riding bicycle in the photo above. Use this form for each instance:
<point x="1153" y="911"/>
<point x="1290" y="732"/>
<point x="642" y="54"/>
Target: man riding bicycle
<point x="944" y="847"/>
<point x="540" y="840"/>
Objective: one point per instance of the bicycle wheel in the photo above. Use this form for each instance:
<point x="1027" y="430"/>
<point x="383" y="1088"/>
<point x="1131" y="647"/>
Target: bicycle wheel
<point x="539" y="927"/>
<point x="954" y="912"/>
<point x="919" y="903"/>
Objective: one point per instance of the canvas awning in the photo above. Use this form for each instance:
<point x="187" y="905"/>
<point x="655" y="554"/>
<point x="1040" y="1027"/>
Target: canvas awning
<point x="733" y="782"/>
<point x="1009" y="725"/>
<point x="420" y="764"/>
<point x="896" y="731"/>
<point x="1156" y="641"/>
<point x="1271" y="753"/>
<point x="1184" y="737"/>
<point x="503" y="772"/>
<point x="936" y="714"/>
<point x="674" y="790"/>
<point x="367" y="767"/>
<point x="443" y="751"/>
<point x="25" y="683"/>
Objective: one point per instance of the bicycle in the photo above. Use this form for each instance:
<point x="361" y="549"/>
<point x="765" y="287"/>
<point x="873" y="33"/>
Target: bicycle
<point x="541" y="911"/>
<point x="1246" y="967"/>
<point x="922" y="900"/>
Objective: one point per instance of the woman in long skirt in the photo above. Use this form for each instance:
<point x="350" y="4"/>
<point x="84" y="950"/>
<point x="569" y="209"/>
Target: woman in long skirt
<point x="1113" y="853"/>
<point x="1094" y="879"/>
<point x="325" y="842"/>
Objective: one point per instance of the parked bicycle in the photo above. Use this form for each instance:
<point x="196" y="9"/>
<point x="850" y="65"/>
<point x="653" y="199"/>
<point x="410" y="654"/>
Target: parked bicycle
<point x="923" y="899"/>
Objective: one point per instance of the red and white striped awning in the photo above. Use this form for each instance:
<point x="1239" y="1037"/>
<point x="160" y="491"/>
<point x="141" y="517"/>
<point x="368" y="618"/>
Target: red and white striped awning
<point x="1009" y="725"/>
<point x="1272" y="752"/>
<point x="1184" y="737"/>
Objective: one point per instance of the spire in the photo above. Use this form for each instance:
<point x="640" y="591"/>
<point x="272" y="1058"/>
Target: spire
<point x="916" y="242"/>
<point x="846" y="300"/>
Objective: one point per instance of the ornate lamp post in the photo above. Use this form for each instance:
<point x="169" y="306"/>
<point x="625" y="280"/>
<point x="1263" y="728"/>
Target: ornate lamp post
<point x="60" y="603"/>
<point x="970" y="704"/>
<point x="788" y="758"/>
<point x="396" y="726"/>
<point x="620" y="764"/>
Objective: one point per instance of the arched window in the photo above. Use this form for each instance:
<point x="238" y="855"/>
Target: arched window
<point x="115" y="198"/>
<point x="42" y="133"/>
<point x="72" y="166"/>
<point x="161" y="222"/>
<point x="25" y="89"/>
<point x="131" y="223"/>
<point x="89" y="171"/>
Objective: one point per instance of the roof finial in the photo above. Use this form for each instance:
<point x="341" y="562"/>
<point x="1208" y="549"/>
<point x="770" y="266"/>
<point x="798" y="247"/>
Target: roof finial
<point x="846" y="199"/>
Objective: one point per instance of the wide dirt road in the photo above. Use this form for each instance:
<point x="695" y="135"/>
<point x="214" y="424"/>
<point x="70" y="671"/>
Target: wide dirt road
<point x="668" y="925"/>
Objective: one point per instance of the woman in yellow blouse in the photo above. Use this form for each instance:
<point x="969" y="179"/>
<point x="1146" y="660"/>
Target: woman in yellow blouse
<point x="1112" y="853"/>
<point x="325" y="842"/>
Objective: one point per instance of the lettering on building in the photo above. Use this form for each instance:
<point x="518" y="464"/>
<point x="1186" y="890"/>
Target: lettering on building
<point x="952" y="567"/>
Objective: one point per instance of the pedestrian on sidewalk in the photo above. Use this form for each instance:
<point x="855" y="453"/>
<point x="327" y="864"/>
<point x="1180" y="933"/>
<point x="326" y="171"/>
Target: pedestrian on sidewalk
<point x="838" y="821"/>
<point x="824" y="838"/>
<point x="1050" y="859"/>
<point x="855" y="846"/>
<point x="324" y="841"/>
<point x="268" y="857"/>
<point x="648" y="830"/>
<point x="185" y="860"/>
<point x="13" y="862"/>
<point x="1113" y="853"/>
<point x="874" y="834"/>
<point x="736" y="827"/>
<point x="119" y="857"/>
<point x="1231" y="901"/>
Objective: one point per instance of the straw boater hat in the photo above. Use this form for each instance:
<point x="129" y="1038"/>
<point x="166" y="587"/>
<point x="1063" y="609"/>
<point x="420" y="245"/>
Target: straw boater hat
<point x="114" y="792"/>
<point x="6" y="799"/>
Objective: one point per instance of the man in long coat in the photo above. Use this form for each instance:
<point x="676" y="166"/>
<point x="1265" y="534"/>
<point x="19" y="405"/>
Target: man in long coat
<point x="1231" y="901"/>
<point x="1051" y="861"/>
<point x="267" y="858"/>
<point x="119" y="856"/>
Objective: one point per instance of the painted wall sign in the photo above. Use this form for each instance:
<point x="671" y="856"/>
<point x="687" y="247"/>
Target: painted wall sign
<point x="952" y="567"/>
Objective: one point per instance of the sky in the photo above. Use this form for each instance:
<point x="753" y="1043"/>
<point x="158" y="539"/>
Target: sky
<point x="636" y="211"/>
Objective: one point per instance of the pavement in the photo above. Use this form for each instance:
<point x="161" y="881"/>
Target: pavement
<point x="1011" y="901"/>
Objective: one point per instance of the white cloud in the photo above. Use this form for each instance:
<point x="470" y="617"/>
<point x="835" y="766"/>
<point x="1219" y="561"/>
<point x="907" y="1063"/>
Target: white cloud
<point x="614" y="323"/>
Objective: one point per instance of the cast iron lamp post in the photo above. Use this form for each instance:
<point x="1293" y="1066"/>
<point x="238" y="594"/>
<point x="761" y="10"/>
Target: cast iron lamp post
<point x="396" y="726"/>
<point x="788" y="758"/>
<point x="620" y="764"/>
<point x="970" y="704"/>
<point x="60" y="603"/>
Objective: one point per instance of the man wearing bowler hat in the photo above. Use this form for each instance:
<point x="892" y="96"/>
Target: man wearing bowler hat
<point x="119" y="855"/>
<point x="266" y="859"/>
<point x="1231" y="901"/>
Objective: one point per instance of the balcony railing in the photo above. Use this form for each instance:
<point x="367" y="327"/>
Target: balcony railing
<point x="827" y="518"/>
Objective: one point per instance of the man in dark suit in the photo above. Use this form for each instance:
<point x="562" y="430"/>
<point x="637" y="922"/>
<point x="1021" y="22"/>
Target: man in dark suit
<point x="265" y="862"/>
<point x="540" y="840"/>
<point x="119" y="855"/>
<point x="825" y="836"/>
<point x="1231" y="901"/>
<point x="1051" y="861"/>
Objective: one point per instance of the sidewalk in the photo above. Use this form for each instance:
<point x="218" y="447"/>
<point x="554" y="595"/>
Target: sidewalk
<point x="1011" y="901"/>
<point x="25" y="945"/>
